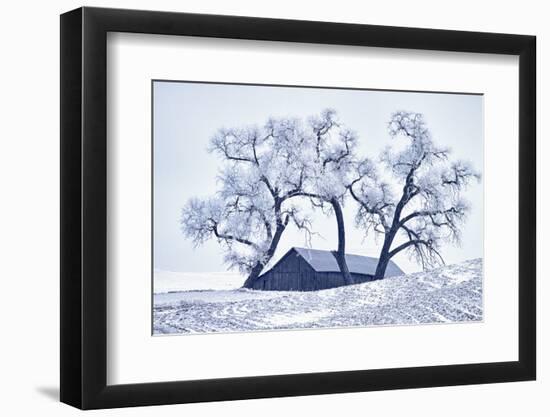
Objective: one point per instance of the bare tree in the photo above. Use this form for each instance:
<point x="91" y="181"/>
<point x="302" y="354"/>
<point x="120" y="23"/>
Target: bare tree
<point x="420" y="204"/>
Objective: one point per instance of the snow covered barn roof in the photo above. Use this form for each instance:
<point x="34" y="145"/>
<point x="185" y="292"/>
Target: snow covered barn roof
<point x="324" y="261"/>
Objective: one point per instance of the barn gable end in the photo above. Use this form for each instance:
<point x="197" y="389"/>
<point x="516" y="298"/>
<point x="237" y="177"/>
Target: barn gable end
<point x="290" y="273"/>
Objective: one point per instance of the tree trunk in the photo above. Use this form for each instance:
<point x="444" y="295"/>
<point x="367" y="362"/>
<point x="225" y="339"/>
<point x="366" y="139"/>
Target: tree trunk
<point x="340" y="254"/>
<point x="253" y="276"/>
<point x="384" y="257"/>
<point x="257" y="269"/>
<point x="382" y="265"/>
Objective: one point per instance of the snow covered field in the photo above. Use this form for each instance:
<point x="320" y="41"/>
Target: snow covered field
<point x="449" y="294"/>
<point x="168" y="281"/>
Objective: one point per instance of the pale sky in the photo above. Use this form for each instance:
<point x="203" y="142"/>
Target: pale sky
<point x="186" y="115"/>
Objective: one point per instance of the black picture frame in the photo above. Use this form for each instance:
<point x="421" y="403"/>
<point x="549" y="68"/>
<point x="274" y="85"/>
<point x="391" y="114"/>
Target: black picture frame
<point x="84" y="207"/>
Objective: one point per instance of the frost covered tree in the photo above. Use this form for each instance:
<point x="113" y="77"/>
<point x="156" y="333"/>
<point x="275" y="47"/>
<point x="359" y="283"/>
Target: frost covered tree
<point x="262" y="172"/>
<point x="267" y="171"/>
<point x="332" y="163"/>
<point x="418" y="206"/>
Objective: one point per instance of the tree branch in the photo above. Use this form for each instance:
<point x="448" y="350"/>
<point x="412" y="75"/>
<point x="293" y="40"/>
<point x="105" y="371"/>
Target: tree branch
<point x="224" y="236"/>
<point x="407" y="244"/>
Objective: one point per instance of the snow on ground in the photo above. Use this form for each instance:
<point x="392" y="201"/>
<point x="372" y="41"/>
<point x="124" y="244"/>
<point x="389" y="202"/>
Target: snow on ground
<point x="445" y="295"/>
<point x="168" y="281"/>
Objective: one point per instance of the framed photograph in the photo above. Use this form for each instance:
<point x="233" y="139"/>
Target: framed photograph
<point x="256" y="208"/>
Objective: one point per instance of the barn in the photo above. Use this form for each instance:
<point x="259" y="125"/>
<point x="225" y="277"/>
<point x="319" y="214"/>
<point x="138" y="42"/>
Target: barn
<point x="302" y="269"/>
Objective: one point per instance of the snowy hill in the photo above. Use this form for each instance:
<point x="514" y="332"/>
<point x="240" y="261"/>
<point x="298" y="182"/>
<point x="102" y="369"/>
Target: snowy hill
<point x="449" y="294"/>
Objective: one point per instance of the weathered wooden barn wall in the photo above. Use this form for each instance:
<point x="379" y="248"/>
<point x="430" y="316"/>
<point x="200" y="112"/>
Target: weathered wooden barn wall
<point x="293" y="273"/>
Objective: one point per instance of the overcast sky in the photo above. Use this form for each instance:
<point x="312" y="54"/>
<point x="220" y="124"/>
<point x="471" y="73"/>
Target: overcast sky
<point x="186" y="115"/>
